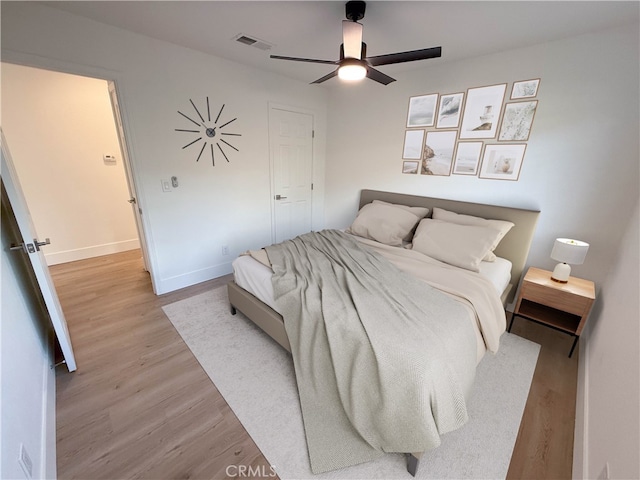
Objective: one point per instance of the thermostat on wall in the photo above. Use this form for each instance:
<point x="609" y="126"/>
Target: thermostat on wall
<point x="109" y="159"/>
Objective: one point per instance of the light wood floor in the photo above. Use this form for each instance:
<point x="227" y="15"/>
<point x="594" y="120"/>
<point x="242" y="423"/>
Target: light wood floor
<point x="140" y="405"/>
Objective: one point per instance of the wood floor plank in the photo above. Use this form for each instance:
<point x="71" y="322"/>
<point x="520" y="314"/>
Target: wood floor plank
<point x="141" y="406"/>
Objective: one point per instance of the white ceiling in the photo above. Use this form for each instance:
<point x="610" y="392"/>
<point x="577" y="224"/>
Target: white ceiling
<point x="313" y="29"/>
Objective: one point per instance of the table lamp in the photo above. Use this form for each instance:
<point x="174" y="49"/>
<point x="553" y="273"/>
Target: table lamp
<point x="567" y="252"/>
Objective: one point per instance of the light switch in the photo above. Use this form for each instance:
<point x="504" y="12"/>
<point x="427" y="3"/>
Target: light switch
<point x="166" y="185"/>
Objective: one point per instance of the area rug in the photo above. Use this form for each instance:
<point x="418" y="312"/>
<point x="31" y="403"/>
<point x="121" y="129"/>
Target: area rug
<point x="255" y="376"/>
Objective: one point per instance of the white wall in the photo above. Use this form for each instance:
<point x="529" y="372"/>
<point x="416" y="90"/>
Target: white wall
<point x="229" y="204"/>
<point x="58" y="127"/>
<point x="581" y="165"/>
<point x="612" y="416"/>
<point x="27" y="401"/>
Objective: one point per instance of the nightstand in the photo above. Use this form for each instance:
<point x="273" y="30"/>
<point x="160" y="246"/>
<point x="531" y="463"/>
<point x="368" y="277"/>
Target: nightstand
<point x="562" y="306"/>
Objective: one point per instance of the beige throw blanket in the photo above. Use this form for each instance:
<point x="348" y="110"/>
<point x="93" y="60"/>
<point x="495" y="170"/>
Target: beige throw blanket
<point x="382" y="361"/>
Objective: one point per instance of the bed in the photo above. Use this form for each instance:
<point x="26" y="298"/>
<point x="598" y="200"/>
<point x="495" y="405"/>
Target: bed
<point x="250" y="293"/>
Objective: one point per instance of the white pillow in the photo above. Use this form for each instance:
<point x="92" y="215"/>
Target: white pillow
<point x="463" y="246"/>
<point x="384" y="223"/>
<point x="420" y="212"/>
<point x="502" y="226"/>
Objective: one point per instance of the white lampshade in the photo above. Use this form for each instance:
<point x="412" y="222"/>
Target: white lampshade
<point x="568" y="252"/>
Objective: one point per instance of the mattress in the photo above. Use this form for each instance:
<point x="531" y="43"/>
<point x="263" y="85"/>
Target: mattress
<point x="255" y="277"/>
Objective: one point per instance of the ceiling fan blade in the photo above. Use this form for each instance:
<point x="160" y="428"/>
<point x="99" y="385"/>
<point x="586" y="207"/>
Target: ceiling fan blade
<point x="401" y="57"/>
<point x="326" y="77"/>
<point x="379" y="77"/>
<point x="309" y="60"/>
<point x="352" y="39"/>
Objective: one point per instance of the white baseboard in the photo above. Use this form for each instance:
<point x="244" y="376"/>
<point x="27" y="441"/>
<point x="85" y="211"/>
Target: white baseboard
<point x="65" y="256"/>
<point x="166" y="285"/>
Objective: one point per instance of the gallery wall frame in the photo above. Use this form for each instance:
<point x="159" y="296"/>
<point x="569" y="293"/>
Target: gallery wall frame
<point x="438" y="152"/>
<point x="502" y="162"/>
<point x="467" y="158"/>
<point x="422" y="110"/>
<point x="450" y="110"/>
<point x="413" y="141"/>
<point x="410" y="167"/>
<point x="517" y="120"/>
<point x="525" y="89"/>
<point x="482" y="111"/>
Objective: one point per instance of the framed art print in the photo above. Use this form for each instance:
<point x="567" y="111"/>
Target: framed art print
<point x="502" y="162"/>
<point x="482" y="111"/>
<point x="413" y="144"/>
<point x="467" y="158"/>
<point x="438" y="153"/>
<point x="422" y="110"/>
<point x="449" y="110"/>
<point x="525" y="89"/>
<point x="517" y="120"/>
<point x="410" y="166"/>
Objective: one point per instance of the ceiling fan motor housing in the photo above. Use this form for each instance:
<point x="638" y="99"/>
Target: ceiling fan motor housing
<point x="355" y="10"/>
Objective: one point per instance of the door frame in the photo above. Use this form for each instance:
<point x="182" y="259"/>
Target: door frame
<point x="133" y="179"/>
<point x="124" y="153"/>
<point x="272" y="188"/>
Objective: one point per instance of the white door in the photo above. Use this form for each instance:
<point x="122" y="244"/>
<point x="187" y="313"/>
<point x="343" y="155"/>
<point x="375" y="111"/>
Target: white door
<point x="291" y="141"/>
<point x="124" y="152"/>
<point x="31" y="246"/>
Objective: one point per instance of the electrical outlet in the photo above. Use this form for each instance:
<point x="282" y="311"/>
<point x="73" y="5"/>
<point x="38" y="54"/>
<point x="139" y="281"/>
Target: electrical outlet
<point x="24" y="460"/>
<point x="225" y="250"/>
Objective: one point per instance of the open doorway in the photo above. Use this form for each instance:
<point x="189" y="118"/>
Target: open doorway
<point x="69" y="158"/>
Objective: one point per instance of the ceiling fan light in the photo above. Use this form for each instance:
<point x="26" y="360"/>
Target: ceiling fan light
<point x="352" y="72"/>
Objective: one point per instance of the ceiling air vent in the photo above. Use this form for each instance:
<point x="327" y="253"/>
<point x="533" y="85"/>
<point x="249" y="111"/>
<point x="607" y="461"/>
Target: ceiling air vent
<point x="252" y="42"/>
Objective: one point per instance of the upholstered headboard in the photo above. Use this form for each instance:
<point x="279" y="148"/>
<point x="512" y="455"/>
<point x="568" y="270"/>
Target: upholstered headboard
<point x="514" y="246"/>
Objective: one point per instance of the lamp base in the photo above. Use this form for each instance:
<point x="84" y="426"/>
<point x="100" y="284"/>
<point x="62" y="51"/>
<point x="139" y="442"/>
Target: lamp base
<point x="561" y="273"/>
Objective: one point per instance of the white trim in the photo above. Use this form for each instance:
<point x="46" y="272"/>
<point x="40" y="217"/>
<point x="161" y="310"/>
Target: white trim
<point x="170" y="284"/>
<point x="90" y="252"/>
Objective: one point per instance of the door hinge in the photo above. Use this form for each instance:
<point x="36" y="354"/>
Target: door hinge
<point x="312" y="186"/>
<point x="313" y="134"/>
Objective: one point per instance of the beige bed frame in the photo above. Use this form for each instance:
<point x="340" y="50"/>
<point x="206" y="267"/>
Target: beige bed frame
<point x="514" y="247"/>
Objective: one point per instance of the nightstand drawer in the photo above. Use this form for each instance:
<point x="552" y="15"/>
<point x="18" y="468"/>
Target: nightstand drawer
<point x="562" y="300"/>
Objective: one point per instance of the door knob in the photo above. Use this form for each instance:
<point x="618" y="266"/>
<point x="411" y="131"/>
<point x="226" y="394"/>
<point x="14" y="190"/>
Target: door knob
<point x="25" y="247"/>
<point x="280" y="197"/>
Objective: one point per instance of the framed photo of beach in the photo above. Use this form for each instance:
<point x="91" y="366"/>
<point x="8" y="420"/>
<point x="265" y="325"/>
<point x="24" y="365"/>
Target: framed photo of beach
<point x="482" y="111"/>
<point x="502" y="162"/>
<point x="438" y="153"/>
<point x="410" y="167"/>
<point x="517" y="121"/>
<point x="449" y="110"/>
<point x="413" y="144"/>
<point x="422" y="110"/>
<point x="467" y="158"/>
<point x="525" y="89"/>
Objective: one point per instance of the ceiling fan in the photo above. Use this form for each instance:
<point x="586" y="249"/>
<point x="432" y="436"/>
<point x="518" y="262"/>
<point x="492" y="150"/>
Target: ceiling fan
<point x="354" y="63"/>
